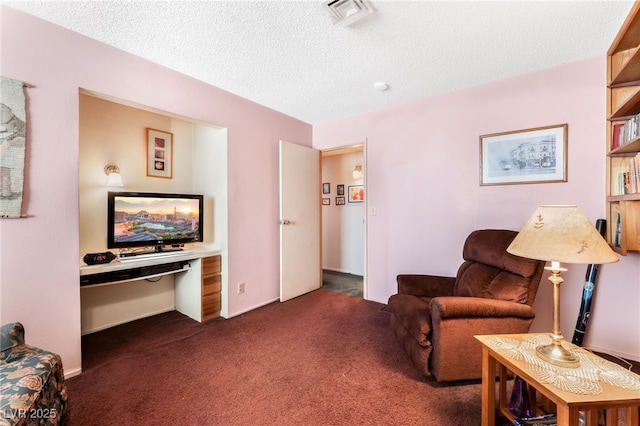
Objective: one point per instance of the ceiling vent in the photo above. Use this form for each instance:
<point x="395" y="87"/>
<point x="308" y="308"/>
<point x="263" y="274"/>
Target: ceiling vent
<point x="347" y="12"/>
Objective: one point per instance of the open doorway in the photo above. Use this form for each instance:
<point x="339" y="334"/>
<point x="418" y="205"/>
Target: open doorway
<point x="343" y="220"/>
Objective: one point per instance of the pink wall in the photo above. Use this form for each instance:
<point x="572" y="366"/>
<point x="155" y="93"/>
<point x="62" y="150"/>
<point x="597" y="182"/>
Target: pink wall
<point x="422" y="177"/>
<point x="423" y="180"/>
<point x="40" y="255"/>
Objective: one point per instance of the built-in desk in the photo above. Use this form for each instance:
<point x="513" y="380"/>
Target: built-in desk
<point x="196" y="277"/>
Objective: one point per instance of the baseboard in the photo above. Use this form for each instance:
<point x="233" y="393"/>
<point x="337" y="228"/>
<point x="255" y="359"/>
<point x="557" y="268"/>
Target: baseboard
<point x="244" y="311"/>
<point x="72" y="373"/>
<point x="341" y="271"/>
<point x="632" y="357"/>
<point x="383" y="302"/>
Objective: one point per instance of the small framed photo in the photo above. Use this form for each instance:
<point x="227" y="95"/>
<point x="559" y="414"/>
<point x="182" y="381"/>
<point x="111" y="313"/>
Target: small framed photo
<point x="340" y="189"/>
<point x="536" y="155"/>
<point x="326" y="201"/>
<point x="339" y="201"/>
<point x="356" y="193"/>
<point x="159" y="153"/>
<point x="326" y="188"/>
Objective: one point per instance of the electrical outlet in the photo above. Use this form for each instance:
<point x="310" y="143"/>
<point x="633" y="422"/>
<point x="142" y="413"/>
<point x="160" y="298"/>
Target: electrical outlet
<point x="240" y="288"/>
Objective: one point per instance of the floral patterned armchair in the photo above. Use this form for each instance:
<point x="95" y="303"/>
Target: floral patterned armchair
<point x="32" y="387"/>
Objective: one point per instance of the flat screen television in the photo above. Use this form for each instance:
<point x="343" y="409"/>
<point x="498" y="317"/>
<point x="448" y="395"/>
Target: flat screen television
<point x="155" y="220"/>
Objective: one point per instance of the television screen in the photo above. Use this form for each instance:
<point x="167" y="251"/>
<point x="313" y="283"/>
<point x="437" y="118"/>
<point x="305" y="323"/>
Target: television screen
<point x="142" y="219"/>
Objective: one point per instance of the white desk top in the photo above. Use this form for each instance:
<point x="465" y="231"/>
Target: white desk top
<point x="189" y="254"/>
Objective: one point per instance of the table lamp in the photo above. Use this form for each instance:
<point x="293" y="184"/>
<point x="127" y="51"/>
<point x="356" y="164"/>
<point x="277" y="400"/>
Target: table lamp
<point x="560" y="234"/>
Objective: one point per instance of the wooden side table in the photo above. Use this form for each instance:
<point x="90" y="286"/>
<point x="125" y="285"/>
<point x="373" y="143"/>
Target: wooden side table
<point x="567" y="404"/>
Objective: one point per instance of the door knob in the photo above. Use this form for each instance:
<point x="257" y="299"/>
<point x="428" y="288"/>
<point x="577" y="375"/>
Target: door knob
<point x="285" y="222"/>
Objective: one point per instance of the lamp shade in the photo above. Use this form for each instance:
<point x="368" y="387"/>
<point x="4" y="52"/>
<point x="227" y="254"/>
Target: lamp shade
<point x="114" y="179"/>
<point x="357" y="172"/>
<point x="113" y="173"/>
<point x="561" y="234"/>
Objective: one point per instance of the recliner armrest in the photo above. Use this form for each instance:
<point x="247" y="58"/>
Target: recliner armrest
<point x="425" y="285"/>
<point x="452" y="307"/>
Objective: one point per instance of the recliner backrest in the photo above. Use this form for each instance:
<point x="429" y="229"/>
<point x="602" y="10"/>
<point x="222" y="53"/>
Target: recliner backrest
<point x="490" y="271"/>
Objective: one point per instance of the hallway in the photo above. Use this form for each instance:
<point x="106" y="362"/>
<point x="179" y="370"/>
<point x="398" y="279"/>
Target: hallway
<point x="343" y="283"/>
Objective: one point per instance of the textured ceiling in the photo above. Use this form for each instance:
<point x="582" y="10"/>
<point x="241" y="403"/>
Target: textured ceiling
<point x="287" y="55"/>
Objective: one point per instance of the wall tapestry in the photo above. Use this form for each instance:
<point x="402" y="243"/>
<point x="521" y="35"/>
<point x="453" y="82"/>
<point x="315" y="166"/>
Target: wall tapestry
<point x="13" y="124"/>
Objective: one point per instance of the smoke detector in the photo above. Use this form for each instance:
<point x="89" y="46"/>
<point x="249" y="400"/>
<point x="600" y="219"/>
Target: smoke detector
<point x="347" y="12"/>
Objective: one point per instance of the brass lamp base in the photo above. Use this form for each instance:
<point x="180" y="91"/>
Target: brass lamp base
<point x="557" y="355"/>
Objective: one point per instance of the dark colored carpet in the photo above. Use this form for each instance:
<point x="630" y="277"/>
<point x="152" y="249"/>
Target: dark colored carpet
<point x="322" y="358"/>
<point x="343" y="283"/>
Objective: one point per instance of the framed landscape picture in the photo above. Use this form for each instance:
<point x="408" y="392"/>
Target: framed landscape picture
<point x="159" y="153"/>
<point x="524" y="156"/>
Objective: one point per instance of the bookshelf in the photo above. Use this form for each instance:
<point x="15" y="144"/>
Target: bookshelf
<point x="623" y="137"/>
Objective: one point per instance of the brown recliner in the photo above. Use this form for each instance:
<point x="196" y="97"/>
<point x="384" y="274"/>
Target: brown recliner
<point x="435" y="318"/>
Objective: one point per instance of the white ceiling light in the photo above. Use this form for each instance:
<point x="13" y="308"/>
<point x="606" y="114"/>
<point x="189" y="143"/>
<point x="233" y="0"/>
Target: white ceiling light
<point x="347" y="12"/>
<point x="381" y="86"/>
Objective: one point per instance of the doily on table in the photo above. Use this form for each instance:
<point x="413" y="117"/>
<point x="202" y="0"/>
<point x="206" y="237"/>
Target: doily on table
<point x="584" y="380"/>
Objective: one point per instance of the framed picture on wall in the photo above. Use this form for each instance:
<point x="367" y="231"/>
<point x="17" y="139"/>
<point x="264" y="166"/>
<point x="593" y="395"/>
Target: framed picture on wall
<point x="356" y="193"/>
<point x="340" y="189"/>
<point x="339" y="201"/>
<point x="326" y="188"/>
<point x="159" y="153"/>
<point x="524" y="156"/>
<point x="326" y="201"/>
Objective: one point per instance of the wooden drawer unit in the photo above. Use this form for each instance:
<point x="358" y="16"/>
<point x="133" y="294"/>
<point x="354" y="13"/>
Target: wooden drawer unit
<point x="211" y="265"/>
<point x="211" y="287"/>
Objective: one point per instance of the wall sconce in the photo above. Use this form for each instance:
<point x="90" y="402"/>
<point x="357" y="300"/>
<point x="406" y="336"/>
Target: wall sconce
<point x="114" y="175"/>
<point x="357" y="172"/>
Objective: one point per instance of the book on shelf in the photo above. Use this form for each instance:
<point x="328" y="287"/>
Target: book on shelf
<point x="617" y="232"/>
<point x="625" y="132"/>
<point x="627" y="175"/>
<point x="627" y="183"/>
<point x="634" y="174"/>
<point x="615" y="142"/>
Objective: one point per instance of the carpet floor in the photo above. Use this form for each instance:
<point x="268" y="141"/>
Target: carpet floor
<point x="322" y="358"/>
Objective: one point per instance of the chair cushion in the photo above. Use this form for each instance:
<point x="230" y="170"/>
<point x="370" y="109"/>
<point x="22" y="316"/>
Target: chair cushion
<point x="489" y="271"/>
<point x="478" y="280"/>
<point x="413" y="313"/>
<point x="489" y="246"/>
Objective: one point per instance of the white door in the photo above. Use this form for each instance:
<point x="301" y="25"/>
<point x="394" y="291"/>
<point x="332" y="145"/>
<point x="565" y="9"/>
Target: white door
<point x="300" y="269"/>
